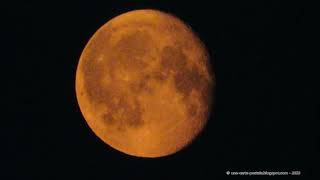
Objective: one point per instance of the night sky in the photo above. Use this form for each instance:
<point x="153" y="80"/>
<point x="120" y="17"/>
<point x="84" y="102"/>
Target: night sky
<point x="266" y="109"/>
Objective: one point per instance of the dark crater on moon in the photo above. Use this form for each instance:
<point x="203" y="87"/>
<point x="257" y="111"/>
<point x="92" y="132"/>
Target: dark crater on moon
<point x="121" y="114"/>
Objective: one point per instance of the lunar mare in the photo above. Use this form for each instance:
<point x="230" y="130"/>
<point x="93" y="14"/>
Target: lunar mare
<point x="144" y="84"/>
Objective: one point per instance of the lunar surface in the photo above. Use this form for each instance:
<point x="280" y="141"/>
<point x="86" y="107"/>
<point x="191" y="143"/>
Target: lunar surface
<point x="144" y="84"/>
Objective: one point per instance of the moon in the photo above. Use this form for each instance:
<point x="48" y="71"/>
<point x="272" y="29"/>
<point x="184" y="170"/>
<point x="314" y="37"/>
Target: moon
<point x="144" y="84"/>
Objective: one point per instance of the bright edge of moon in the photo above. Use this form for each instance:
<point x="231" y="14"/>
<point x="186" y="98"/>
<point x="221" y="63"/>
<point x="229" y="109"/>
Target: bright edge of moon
<point x="144" y="84"/>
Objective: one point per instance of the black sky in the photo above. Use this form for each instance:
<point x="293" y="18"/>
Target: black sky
<point x="266" y="109"/>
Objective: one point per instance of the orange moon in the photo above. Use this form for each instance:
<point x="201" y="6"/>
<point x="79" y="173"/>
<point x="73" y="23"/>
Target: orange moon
<point x="144" y="83"/>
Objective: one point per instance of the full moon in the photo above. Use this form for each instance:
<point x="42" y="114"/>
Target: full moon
<point x="144" y="84"/>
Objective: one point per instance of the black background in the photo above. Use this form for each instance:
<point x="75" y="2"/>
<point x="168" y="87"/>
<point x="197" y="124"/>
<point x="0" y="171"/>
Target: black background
<point x="266" y="99"/>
